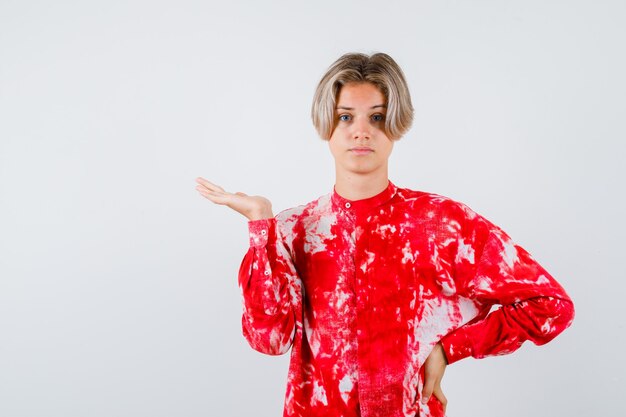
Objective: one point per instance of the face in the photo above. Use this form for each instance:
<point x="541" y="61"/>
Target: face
<point x="359" y="143"/>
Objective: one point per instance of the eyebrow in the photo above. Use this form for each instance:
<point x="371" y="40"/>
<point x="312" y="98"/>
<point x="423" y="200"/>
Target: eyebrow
<point x="352" y="108"/>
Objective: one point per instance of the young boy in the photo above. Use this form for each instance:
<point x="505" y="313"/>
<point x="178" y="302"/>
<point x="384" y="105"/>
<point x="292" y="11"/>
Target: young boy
<point x="376" y="288"/>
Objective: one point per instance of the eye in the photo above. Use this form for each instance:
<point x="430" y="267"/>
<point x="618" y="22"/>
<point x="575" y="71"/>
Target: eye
<point x="344" y="117"/>
<point x="378" y="117"/>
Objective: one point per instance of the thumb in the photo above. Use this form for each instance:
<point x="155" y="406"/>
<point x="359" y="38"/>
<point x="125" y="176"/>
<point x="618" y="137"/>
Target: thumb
<point x="429" y="386"/>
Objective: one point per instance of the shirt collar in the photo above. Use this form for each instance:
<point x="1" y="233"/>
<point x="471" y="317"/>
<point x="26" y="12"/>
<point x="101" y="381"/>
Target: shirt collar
<point x="366" y="203"/>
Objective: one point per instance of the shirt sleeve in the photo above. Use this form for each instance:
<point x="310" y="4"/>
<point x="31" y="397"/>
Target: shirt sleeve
<point x="270" y="290"/>
<point x="491" y="269"/>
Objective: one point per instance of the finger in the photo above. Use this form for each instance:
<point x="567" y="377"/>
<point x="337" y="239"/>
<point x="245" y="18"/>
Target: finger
<point x="215" y="196"/>
<point x="202" y="181"/>
<point x="206" y="190"/>
<point x="241" y="194"/>
<point x="429" y="385"/>
<point x="212" y="187"/>
<point x="209" y="184"/>
<point x="440" y="396"/>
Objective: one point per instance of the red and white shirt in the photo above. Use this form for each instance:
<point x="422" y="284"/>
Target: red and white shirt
<point x="361" y="291"/>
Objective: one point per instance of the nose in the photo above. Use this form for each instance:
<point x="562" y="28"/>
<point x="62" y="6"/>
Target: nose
<point x="361" y="128"/>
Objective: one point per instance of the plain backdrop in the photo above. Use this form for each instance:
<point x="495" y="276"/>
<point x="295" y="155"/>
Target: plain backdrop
<point x="118" y="291"/>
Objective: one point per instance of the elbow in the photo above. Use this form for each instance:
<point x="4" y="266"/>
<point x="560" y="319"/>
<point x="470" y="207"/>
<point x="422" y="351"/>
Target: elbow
<point x="570" y="313"/>
<point x="558" y="315"/>
<point x="563" y="312"/>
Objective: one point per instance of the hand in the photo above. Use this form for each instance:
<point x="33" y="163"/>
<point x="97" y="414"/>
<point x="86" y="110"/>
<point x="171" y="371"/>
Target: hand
<point x="253" y="207"/>
<point x="434" y="367"/>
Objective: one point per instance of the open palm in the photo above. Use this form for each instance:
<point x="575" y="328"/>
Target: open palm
<point x="253" y="207"/>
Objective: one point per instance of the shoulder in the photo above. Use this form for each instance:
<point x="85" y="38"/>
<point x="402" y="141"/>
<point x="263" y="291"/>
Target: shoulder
<point x="446" y="217"/>
<point x="435" y="204"/>
<point x="297" y="214"/>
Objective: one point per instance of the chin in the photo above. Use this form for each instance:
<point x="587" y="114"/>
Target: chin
<point x="362" y="170"/>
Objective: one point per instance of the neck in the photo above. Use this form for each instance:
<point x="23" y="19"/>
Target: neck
<point x="358" y="187"/>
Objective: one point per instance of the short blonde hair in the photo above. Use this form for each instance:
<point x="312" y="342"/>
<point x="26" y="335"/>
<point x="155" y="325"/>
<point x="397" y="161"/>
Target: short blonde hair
<point x="379" y="69"/>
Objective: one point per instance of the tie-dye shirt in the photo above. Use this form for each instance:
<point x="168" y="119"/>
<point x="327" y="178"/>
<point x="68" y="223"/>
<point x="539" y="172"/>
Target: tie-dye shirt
<point x="361" y="291"/>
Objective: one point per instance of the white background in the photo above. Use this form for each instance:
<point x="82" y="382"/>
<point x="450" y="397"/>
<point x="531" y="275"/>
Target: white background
<point x="118" y="292"/>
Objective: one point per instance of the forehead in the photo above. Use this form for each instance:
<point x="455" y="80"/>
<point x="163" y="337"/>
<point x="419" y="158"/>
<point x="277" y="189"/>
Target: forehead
<point x="364" y="93"/>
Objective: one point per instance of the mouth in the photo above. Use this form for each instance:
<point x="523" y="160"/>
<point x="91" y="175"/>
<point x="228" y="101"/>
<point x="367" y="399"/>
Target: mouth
<point x="361" y="150"/>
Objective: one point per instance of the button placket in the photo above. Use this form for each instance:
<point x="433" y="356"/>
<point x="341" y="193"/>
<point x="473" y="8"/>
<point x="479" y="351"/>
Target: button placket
<point x="360" y="291"/>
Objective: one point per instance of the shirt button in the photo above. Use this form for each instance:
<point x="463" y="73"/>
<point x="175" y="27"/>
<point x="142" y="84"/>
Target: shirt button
<point x="348" y="205"/>
<point x="266" y="272"/>
<point x="263" y="232"/>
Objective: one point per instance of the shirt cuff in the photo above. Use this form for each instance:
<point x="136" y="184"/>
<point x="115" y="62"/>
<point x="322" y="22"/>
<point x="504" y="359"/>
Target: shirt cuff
<point x="456" y="346"/>
<point x="259" y="231"/>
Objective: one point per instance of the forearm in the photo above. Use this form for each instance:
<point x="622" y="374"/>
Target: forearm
<point x="504" y="330"/>
<point x="268" y="285"/>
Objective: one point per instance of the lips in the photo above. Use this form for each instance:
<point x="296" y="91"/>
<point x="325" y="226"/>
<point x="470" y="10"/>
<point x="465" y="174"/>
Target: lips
<point x="361" y="150"/>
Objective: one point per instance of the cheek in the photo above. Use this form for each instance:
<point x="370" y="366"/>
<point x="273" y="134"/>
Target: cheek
<point x="388" y="150"/>
<point x="332" y="146"/>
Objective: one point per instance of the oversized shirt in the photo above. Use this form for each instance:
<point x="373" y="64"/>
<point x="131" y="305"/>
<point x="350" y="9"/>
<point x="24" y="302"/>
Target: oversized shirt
<point x="361" y="291"/>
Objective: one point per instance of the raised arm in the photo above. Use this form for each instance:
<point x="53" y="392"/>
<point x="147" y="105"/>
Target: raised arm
<point x="267" y="276"/>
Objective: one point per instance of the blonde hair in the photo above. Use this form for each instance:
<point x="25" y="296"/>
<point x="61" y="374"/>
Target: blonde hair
<point x="379" y="69"/>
